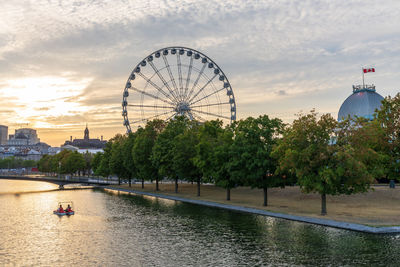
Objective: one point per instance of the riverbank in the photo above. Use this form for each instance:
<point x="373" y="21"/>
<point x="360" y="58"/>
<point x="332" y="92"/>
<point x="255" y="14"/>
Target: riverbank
<point x="374" y="212"/>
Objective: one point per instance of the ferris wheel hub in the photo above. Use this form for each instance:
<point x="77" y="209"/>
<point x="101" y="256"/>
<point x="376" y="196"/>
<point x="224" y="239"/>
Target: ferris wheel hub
<point x="182" y="107"/>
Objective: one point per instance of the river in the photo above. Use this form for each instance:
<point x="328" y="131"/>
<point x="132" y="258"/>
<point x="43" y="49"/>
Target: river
<point x="112" y="229"/>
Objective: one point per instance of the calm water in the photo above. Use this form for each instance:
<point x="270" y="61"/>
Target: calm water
<point x="111" y="229"/>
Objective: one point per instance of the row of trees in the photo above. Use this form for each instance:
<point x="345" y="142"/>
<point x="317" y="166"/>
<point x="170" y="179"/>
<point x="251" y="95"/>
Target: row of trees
<point x="231" y="156"/>
<point x="66" y="162"/>
<point x="332" y="158"/>
<point x="318" y="153"/>
<point x="14" y="163"/>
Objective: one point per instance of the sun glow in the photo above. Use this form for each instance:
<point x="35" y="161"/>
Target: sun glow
<point x="37" y="99"/>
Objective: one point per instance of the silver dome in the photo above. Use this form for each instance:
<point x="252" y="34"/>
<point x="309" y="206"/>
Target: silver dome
<point x="362" y="103"/>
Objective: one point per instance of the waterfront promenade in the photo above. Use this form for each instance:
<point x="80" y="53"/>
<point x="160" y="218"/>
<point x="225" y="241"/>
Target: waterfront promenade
<point x="373" y="212"/>
<point x="61" y="181"/>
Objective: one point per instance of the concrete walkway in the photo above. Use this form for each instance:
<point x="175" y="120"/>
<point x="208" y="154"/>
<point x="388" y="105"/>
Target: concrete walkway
<point x="318" y="221"/>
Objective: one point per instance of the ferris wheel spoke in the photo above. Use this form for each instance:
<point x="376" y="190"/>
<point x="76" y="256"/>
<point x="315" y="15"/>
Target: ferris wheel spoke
<point x="178" y="60"/>
<point x="211" y="114"/>
<point x="156" y="86"/>
<point x="163" y="80"/>
<point x="197" y="80"/>
<point x="153" y="96"/>
<point x="209" y="105"/>
<point x="154" y="117"/>
<point x="149" y="106"/>
<point x="170" y="75"/>
<point x="213" y="93"/>
<point x="170" y="116"/>
<point x="188" y="76"/>
<point x="199" y="117"/>
<point x="202" y="88"/>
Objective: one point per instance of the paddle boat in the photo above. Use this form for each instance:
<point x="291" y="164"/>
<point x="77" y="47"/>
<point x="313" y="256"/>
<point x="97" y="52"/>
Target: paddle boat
<point x="67" y="211"/>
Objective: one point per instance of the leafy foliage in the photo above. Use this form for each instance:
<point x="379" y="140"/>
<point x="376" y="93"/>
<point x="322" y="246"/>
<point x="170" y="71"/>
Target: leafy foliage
<point x="320" y="154"/>
<point x="207" y="141"/>
<point x="308" y="149"/>
<point x="184" y="152"/>
<point x="142" y="150"/>
<point x="73" y="162"/>
<point x="388" y="118"/>
<point x="252" y="147"/>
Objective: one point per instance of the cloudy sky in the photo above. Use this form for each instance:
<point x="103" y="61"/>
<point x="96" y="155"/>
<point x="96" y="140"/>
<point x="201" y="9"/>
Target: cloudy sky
<point x="65" y="63"/>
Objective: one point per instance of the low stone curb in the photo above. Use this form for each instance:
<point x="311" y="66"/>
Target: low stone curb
<point x="317" y="221"/>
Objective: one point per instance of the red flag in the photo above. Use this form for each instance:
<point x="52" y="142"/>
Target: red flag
<point x="369" y="70"/>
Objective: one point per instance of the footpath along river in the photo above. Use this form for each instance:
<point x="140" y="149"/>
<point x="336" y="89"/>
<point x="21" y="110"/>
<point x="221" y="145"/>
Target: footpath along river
<point x="115" y="229"/>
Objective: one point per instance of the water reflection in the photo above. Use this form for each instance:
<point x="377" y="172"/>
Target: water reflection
<point x="111" y="229"/>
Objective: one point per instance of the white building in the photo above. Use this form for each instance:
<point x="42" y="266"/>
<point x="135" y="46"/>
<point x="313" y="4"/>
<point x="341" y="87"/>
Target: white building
<point x="23" y="137"/>
<point x="33" y="155"/>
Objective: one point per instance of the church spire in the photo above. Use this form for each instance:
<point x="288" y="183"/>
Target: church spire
<point x="86" y="136"/>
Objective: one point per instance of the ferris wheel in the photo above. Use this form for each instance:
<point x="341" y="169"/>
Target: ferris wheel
<point x="177" y="81"/>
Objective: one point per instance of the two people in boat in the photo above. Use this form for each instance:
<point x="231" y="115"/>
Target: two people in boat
<point x="61" y="209"/>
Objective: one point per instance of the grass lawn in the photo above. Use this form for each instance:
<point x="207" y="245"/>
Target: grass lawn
<point x="380" y="207"/>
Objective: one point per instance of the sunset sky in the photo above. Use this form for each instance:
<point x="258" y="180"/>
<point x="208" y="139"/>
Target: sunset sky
<point x="65" y="63"/>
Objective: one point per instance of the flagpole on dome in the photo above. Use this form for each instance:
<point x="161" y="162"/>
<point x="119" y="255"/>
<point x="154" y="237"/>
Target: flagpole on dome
<point x="362" y="70"/>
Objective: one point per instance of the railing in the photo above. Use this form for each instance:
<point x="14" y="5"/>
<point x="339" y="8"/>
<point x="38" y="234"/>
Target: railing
<point x="65" y="179"/>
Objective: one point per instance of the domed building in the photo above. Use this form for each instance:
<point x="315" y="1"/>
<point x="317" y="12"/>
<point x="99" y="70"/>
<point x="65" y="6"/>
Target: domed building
<point x="362" y="103"/>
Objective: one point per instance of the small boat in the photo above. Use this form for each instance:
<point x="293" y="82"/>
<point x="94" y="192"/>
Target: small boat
<point x="59" y="213"/>
<point x="65" y="212"/>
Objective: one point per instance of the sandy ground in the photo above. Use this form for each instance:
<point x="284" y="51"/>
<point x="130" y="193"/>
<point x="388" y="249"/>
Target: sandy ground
<point x="379" y="207"/>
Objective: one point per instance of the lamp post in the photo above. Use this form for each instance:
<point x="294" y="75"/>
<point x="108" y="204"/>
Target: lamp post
<point x="59" y="170"/>
<point x="61" y="186"/>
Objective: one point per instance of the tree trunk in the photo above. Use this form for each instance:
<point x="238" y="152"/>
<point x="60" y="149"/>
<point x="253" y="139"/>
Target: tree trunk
<point x="119" y="181"/>
<point x="130" y="183"/>
<point x="228" y="194"/>
<point x="265" y="196"/>
<point x="176" y="185"/>
<point x="323" y="204"/>
<point x="198" y="186"/>
<point x="142" y="183"/>
<point x="157" y="188"/>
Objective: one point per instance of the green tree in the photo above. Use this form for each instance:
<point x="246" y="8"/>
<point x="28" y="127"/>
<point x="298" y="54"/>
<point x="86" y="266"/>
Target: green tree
<point x="57" y="163"/>
<point x="368" y="140"/>
<point x="142" y="151"/>
<point x="29" y="163"/>
<point x="116" y="161"/>
<point x="162" y="154"/>
<point x="224" y="168"/>
<point x="322" y="165"/>
<point x="128" y="162"/>
<point x="252" y="147"/>
<point x="103" y="168"/>
<point x="214" y="155"/>
<point x="388" y="118"/>
<point x="207" y="135"/>
<point x="88" y="162"/>
<point x="73" y="162"/>
<point x="12" y="162"/>
<point x="44" y="164"/>
<point x="96" y="160"/>
<point x="184" y="152"/>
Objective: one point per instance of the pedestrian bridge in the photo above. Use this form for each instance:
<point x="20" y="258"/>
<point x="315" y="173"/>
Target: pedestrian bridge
<point x="61" y="181"/>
